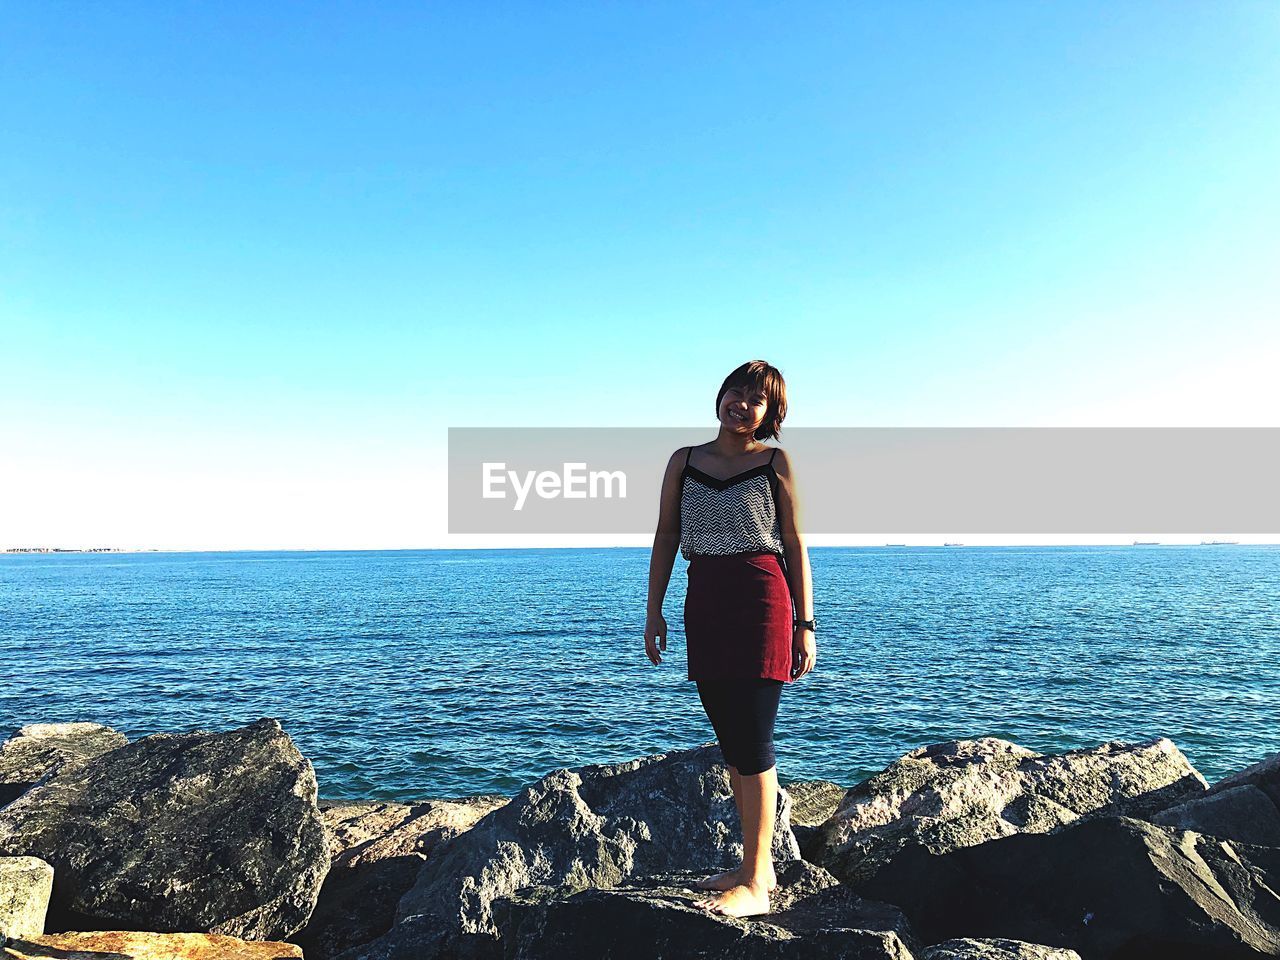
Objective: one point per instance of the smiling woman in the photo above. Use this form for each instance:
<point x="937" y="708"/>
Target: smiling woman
<point x="734" y="515"/>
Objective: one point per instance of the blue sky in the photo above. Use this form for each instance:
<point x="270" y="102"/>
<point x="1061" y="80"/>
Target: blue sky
<point x="255" y="258"/>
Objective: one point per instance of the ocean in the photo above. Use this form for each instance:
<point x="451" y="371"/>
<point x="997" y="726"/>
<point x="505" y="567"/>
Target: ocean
<point x="412" y="675"/>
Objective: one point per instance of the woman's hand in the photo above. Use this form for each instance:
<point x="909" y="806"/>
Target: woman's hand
<point x="804" y="652"/>
<point x="655" y="630"/>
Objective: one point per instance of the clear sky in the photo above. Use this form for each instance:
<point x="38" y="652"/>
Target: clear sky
<point x="255" y="258"/>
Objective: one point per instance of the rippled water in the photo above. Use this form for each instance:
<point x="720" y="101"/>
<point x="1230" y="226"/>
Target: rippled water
<point x="419" y="674"/>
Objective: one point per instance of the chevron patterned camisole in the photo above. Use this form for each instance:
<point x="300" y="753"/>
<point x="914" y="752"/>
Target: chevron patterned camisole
<point x="736" y="515"/>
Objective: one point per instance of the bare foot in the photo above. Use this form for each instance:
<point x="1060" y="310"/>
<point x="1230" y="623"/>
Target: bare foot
<point x="744" y="900"/>
<point x="721" y="881"/>
<point x="732" y="878"/>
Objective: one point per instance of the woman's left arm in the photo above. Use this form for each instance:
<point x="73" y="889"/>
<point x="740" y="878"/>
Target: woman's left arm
<point x="804" y="648"/>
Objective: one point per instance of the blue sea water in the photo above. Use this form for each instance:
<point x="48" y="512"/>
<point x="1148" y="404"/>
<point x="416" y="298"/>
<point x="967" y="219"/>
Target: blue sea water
<point x="409" y="675"/>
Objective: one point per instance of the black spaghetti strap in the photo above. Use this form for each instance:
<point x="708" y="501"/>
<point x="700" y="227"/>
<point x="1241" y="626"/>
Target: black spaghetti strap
<point x="772" y="455"/>
<point x="687" y="456"/>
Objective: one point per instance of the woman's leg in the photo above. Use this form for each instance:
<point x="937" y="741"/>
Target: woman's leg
<point x="758" y="777"/>
<point x="759" y="802"/>
<point x="717" y="698"/>
<point x="731" y="878"/>
<point x="756" y="791"/>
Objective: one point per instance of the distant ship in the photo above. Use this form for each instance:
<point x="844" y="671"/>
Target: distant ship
<point x="1146" y="543"/>
<point x="953" y="544"/>
<point x="1218" y="543"/>
<point x="895" y="544"/>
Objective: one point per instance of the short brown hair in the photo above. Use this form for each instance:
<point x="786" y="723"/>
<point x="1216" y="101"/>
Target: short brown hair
<point x="758" y="375"/>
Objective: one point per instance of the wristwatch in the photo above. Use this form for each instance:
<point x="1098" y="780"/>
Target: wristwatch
<point x="807" y="624"/>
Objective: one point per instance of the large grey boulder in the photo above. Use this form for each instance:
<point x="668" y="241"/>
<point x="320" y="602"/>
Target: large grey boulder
<point x="194" y="832"/>
<point x="1241" y="813"/>
<point x="994" y="949"/>
<point x="26" y="884"/>
<point x="1265" y="775"/>
<point x="964" y="792"/>
<point x="1106" y="887"/>
<point x="377" y="850"/>
<point x="40" y="749"/>
<point x="812" y="917"/>
<point x="1244" y="806"/>
<point x="592" y="826"/>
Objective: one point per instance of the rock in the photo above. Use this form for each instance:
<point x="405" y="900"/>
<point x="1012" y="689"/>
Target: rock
<point x="591" y="826"/>
<point x="209" y="832"/>
<point x="25" y="886"/>
<point x="965" y="792"/>
<point x="377" y="851"/>
<point x="812" y="803"/>
<point x="1244" y="806"/>
<point x="1241" y="813"/>
<point x="395" y="827"/>
<point x="997" y="949"/>
<point x="655" y="915"/>
<point x="1107" y="887"/>
<point x="44" y="748"/>
<point x="1265" y="775"/>
<point x="136" y="945"/>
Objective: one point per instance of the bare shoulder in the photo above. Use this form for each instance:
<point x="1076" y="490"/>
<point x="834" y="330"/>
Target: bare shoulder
<point x="676" y="461"/>
<point x="783" y="464"/>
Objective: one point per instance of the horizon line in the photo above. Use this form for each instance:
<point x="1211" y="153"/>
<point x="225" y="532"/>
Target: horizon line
<point x="949" y="545"/>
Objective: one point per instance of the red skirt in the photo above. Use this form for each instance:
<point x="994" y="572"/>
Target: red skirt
<point x="737" y="617"/>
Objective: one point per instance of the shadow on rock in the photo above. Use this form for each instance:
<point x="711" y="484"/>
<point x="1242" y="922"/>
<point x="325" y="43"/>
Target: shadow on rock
<point x="656" y="915"/>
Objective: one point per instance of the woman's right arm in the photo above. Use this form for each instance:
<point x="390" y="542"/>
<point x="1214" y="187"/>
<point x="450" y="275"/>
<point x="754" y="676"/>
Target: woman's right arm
<point x="666" y="541"/>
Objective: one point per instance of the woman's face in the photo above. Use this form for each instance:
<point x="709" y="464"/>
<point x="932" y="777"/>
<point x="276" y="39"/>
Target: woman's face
<point x="742" y="409"/>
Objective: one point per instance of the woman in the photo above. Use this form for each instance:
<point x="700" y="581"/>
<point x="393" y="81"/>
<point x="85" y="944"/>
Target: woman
<point x="731" y="506"/>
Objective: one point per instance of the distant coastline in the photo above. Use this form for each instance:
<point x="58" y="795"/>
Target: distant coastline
<point x="68" y="550"/>
<point x="553" y="547"/>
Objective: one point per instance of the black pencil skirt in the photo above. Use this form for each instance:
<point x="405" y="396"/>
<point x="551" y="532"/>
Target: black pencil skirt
<point x="742" y="713"/>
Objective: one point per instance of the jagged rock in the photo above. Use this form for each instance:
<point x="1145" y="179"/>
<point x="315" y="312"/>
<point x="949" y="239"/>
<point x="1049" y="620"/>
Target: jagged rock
<point x="1265" y="775"/>
<point x="1244" y="806"/>
<point x="1107" y="887"/>
<point x="655" y="915"/>
<point x="399" y="827"/>
<point x="209" y="832"/>
<point x="40" y="749"/>
<point x="377" y="851"/>
<point x="592" y="826"/>
<point x="138" y="945"/>
<point x="998" y="949"/>
<point x="812" y="803"/>
<point x="1241" y="813"/>
<point x="25" y="886"/>
<point x="965" y="792"/>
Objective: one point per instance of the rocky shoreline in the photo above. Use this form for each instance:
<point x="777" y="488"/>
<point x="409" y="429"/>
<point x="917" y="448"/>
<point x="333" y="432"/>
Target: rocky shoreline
<point x="208" y="844"/>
